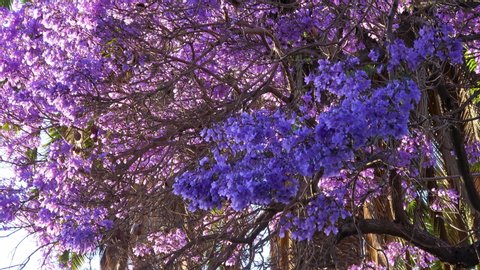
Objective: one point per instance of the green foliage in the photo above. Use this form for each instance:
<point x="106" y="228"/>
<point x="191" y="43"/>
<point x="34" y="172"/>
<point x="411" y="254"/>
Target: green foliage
<point x="470" y="62"/>
<point x="370" y="69"/>
<point x="73" y="259"/>
<point x="32" y="154"/>
<point x="10" y="127"/>
<point x="475" y="167"/>
<point x="473" y="91"/>
<point x="437" y="265"/>
<point x="411" y="206"/>
<point x="34" y="193"/>
<point x="6" y="3"/>
<point x="55" y="134"/>
<point x="77" y="260"/>
<point x="64" y="257"/>
<point x="399" y="264"/>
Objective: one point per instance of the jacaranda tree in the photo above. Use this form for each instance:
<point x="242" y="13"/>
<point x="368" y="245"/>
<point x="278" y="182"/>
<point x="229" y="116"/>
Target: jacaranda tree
<point x="238" y="134"/>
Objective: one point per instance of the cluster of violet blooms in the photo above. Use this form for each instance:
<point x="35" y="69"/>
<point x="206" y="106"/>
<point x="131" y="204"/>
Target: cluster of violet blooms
<point x="258" y="158"/>
<point x="58" y="56"/>
<point x="395" y="253"/>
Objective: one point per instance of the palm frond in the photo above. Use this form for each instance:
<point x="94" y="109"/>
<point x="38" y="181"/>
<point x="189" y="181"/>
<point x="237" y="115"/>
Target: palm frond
<point x="6" y="3"/>
<point x="470" y="61"/>
<point x="75" y="260"/>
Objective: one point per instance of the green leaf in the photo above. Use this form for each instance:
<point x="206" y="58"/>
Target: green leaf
<point x="63" y="259"/>
<point x="399" y="264"/>
<point x="74" y="259"/>
<point x="6" y="127"/>
<point x="32" y="154"/>
<point x="473" y="90"/>
<point x="475" y="167"/>
<point x="54" y="134"/>
<point x="470" y="61"/>
<point x="411" y="207"/>
<point x="6" y="3"/>
<point x="10" y="127"/>
<point x="437" y="265"/>
<point x="77" y="260"/>
<point x="34" y="193"/>
<point x="370" y="69"/>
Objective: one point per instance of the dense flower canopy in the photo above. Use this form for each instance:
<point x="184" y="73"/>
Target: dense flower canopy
<point x="189" y="134"/>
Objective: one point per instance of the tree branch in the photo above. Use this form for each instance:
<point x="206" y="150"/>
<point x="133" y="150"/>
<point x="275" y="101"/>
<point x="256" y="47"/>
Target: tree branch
<point x="463" y="256"/>
<point x="459" y="147"/>
<point x="397" y="198"/>
<point x="391" y="16"/>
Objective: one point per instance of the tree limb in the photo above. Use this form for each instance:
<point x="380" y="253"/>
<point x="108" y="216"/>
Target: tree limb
<point x="463" y="256"/>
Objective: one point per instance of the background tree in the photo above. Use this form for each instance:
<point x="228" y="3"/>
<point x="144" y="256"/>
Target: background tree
<point x="208" y="134"/>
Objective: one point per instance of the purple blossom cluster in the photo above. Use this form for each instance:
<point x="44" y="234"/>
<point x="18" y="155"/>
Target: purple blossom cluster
<point x="75" y="69"/>
<point x="473" y="152"/>
<point x="259" y="141"/>
<point x="165" y="243"/>
<point x="396" y="256"/>
<point x="443" y="199"/>
<point x="414" y="153"/>
<point x="396" y="253"/>
<point x="9" y="204"/>
<point x="322" y="214"/>
<point x="236" y="170"/>
<point x="258" y="158"/>
<point x="367" y="265"/>
<point x="102" y="104"/>
<point x="455" y="18"/>
<point x="356" y="187"/>
<point x="433" y="42"/>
